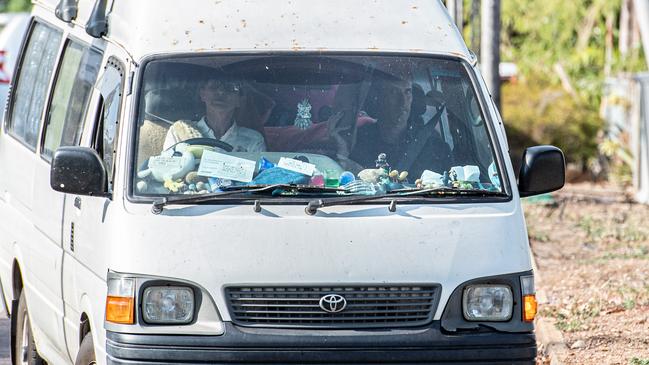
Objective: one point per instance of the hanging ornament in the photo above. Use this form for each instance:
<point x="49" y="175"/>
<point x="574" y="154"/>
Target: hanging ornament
<point x="303" y="118"/>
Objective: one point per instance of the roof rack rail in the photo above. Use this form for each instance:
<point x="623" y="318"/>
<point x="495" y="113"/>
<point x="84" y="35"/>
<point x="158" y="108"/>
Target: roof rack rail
<point x="66" y="10"/>
<point x="97" y="25"/>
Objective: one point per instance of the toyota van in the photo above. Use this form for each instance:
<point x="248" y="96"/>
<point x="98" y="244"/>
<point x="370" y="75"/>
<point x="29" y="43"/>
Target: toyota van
<point x="261" y="181"/>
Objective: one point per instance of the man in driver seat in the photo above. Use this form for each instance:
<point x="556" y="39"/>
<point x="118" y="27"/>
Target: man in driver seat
<point x="221" y="97"/>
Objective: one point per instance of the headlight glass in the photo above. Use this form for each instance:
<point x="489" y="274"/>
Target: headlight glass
<point x="168" y="305"/>
<point x="487" y="303"/>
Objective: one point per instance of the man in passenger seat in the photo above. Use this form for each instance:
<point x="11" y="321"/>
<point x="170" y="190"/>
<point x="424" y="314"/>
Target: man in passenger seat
<point x="221" y="97"/>
<point x="390" y="103"/>
<point x="425" y="148"/>
<point x="400" y="132"/>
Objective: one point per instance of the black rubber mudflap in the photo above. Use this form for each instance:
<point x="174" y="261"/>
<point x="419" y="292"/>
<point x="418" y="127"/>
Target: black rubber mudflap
<point x="14" y="324"/>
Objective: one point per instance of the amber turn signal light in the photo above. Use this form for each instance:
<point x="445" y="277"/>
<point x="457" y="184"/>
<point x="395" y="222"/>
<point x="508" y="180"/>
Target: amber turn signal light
<point x="529" y="308"/>
<point x="119" y="310"/>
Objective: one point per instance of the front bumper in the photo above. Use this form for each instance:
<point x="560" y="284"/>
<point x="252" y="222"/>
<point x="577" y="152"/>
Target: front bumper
<point x="271" y="346"/>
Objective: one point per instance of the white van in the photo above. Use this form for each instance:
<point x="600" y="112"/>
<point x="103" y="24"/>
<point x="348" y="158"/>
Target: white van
<point x="261" y="181"/>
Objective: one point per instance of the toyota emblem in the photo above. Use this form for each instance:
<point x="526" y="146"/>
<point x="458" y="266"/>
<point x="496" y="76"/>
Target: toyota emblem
<point x="333" y="303"/>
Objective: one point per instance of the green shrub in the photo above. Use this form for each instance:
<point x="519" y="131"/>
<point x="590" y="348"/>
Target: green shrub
<point x="535" y="112"/>
<point x="15" y="5"/>
<point x="637" y="361"/>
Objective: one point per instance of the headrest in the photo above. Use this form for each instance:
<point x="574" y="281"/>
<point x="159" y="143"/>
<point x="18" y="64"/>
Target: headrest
<point x="436" y="98"/>
<point x="170" y="105"/>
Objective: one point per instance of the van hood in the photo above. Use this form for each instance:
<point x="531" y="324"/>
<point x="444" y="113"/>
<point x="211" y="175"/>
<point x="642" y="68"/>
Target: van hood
<point x="217" y="246"/>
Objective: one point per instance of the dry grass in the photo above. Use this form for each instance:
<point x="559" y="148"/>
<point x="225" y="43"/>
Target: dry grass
<point x="592" y="250"/>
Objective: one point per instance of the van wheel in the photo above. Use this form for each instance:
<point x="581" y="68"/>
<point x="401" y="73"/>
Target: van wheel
<point x="25" y="351"/>
<point x="86" y="355"/>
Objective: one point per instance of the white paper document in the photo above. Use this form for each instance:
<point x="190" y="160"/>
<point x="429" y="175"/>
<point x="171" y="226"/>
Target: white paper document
<point x="296" y="166"/>
<point x="214" y="164"/>
<point x="171" y="163"/>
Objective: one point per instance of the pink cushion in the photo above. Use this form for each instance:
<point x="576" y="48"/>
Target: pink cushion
<point x="295" y="139"/>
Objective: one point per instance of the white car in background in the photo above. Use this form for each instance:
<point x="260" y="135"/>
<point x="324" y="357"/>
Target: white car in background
<point x="13" y="31"/>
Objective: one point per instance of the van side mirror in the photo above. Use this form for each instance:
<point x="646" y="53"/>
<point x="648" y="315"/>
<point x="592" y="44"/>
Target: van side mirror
<point x="543" y="170"/>
<point x="66" y="10"/>
<point x="97" y="25"/>
<point x="78" y="170"/>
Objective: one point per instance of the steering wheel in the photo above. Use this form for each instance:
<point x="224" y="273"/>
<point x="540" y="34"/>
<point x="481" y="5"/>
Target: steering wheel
<point x="212" y="142"/>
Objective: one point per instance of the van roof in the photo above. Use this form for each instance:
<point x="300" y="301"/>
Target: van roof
<point x="147" y="27"/>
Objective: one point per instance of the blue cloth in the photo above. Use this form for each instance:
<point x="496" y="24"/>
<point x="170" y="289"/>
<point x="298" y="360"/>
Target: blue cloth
<point x="278" y="175"/>
<point x="264" y="164"/>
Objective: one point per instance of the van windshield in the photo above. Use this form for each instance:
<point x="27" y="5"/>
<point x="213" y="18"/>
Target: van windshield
<point x="350" y="125"/>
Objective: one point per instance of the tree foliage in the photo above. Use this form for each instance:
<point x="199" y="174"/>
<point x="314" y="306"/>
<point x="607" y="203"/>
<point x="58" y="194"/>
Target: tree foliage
<point x="580" y="37"/>
<point x="15" y="5"/>
<point x="539" y="34"/>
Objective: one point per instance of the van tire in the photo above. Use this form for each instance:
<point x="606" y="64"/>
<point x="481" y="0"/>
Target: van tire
<point x="25" y="347"/>
<point x="86" y="355"/>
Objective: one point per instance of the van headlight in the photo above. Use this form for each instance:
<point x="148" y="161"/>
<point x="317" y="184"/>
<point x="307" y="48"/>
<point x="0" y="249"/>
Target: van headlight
<point x="487" y="303"/>
<point x="168" y="305"/>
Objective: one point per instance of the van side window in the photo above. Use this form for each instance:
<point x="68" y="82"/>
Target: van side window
<point x="33" y="79"/>
<point x="105" y="141"/>
<point x="74" y="81"/>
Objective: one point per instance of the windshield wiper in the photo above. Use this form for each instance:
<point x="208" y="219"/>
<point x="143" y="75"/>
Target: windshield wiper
<point x="448" y="191"/>
<point x="314" y="205"/>
<point x="159" y="205"/>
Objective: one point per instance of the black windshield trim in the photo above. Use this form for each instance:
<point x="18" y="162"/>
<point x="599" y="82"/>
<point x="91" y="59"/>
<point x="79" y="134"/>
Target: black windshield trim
<point x="372" y="199"/>
<point x="259" y="193"/>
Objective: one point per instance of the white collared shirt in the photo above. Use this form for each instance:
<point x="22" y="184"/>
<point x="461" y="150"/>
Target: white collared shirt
<point x="241" y="139"/>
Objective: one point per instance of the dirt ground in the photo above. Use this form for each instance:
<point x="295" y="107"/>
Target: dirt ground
<point x="591" y="245"/>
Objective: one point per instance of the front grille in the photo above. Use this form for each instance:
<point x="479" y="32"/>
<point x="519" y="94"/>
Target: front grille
<point x="367" y="306"/>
